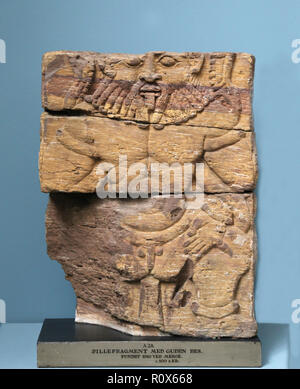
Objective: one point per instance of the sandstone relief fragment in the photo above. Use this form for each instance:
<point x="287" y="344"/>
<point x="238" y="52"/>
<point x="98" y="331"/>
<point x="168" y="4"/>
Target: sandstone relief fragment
<point x="152" y="265"/>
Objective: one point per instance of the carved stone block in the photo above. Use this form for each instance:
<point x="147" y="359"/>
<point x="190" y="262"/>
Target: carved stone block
<point x="152" y="266"/>
<point x="73" y="147"/>
<point x="205" y="89"/>
<point x="149" y="266"/>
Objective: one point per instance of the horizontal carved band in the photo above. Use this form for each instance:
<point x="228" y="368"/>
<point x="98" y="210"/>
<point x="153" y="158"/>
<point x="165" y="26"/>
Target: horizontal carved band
<point x="160" y="88"/>
<point x="73" y="148"/>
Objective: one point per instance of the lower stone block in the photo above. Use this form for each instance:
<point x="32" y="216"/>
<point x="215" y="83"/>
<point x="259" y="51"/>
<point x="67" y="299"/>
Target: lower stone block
<point x="152" y="267"/>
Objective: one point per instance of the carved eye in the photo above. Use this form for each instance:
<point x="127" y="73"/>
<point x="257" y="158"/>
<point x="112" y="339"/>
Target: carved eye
<point x="167" y="61"/>
<point x="134" y="61"/>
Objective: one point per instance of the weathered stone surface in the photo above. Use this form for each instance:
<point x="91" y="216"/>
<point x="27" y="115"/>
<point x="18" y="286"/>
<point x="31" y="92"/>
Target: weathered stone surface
<point x="152" y="266"/>
<point x="73" y="147"/>
<point x="149" y="266"/>
<point x="205" y="89"/>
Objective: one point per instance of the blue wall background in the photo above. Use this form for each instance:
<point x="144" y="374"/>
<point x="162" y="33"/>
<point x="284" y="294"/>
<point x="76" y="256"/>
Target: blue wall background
<point x="32" y="285"/>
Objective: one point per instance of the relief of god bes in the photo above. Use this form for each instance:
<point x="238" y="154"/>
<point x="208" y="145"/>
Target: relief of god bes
<point x="139" y="126"/>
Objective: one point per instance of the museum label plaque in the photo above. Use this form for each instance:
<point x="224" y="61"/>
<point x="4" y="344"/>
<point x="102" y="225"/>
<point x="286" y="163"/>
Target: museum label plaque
<point x="64" y="343"/>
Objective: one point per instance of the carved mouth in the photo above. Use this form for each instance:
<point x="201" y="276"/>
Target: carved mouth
<point x="150" y="93"/>
<point x="150" y="89"/>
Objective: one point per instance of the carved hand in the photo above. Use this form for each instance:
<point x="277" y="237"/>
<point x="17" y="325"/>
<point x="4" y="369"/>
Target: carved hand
<point x="199" y="242"/>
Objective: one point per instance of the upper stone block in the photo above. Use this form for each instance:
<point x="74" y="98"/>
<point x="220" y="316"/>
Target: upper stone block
<point x="72" y="149"/>
<point x="199" y="89"/>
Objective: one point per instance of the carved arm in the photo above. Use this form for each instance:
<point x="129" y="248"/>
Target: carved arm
<point x="216" y="143"/>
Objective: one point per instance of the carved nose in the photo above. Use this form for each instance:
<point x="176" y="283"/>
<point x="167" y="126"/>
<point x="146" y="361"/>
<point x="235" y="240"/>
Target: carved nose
<point x="150" y="77"/>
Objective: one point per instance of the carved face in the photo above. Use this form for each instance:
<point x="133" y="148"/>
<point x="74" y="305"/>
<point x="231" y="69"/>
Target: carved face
<point x="159" y="87"/>
<point x="169" y="68"/>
